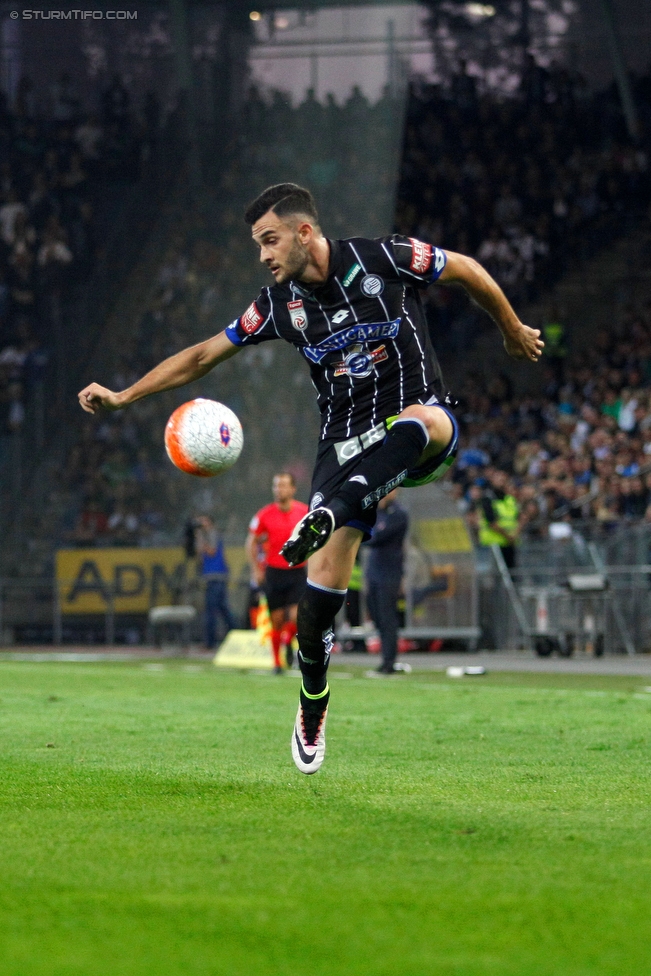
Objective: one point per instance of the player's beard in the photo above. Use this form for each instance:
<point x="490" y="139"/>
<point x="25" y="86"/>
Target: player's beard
<point x="295" y="264"/>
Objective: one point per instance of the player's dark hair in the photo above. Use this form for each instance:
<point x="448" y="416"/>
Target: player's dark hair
<point x="286" y="474"/>
<point x="285" y="199"/>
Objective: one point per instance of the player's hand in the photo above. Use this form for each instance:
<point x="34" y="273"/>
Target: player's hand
<point x="94" y="398"/>
<point x="524" y="344"/>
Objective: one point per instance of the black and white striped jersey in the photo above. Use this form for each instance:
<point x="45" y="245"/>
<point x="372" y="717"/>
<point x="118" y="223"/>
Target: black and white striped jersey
<point x="362" y="331"/>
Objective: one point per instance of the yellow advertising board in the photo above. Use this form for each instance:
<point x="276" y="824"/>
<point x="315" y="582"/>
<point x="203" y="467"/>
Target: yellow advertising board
<point x="136" y="579"/>
<point x="443" y="535"/>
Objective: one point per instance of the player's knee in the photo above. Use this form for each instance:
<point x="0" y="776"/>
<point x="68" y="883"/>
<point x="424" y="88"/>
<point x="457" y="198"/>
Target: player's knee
<point x="435" y="420"/>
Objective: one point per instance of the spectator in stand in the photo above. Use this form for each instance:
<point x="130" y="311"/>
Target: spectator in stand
<point x="65" y="101"/>
<point x="115" y="103"/>
<point x="555" y="336"/>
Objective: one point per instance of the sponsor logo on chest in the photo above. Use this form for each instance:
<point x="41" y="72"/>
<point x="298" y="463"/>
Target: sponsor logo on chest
<point x="297" y="314"/>
<point x="360" y="333"/>
<point x="351" y="274"/>
<point x="359" y="362"/>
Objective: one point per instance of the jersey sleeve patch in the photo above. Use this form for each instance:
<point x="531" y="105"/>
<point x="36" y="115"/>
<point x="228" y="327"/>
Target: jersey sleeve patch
<point x="252" y="319"/>
<point x="421" y="256"/>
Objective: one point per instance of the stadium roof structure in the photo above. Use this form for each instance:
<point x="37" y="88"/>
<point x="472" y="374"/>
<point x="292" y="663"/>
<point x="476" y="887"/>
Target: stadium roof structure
<point x="266" y="6"/>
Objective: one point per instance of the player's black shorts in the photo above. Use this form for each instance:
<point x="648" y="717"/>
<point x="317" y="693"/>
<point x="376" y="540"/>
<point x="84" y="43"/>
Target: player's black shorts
<point x="283" y="587"/>
<point x="337" y="461"/>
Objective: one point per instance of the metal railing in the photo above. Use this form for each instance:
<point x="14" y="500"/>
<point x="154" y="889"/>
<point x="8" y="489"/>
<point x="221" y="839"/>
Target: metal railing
<point x="563" y="606"/>
<point x="33" y="612"/>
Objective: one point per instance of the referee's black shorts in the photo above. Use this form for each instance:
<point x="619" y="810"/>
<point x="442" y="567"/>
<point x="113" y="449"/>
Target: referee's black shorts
<point x="284" y="587"/>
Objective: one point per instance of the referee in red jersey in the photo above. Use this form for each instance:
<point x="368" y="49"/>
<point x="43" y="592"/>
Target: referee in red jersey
<point x="283" y="584"/>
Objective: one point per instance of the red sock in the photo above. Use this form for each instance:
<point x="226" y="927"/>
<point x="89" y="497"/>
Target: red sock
<point x="275" y="647"/>
<point x="288" y="633"/>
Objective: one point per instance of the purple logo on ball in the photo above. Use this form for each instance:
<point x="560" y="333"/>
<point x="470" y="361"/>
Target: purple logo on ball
<point x="225" y="434"/>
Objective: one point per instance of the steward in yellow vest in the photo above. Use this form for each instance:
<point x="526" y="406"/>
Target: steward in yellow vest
<point x="499" y="517"/>
<point x="555" y="336"/>
<point x="555" y="340"/>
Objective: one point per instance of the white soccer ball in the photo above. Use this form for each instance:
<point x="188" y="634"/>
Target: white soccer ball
<point x="203" y="437"/>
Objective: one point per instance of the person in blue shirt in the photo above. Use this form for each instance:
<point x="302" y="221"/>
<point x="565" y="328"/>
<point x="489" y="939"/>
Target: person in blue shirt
<point x="214" y="572"/>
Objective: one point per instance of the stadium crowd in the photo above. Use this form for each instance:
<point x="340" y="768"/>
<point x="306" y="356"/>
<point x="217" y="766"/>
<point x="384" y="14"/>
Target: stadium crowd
<point x="55" y="162"/>
<point x="579" y="451"/>
<point x="526" y="185"/>
<point x="559" y="447"/>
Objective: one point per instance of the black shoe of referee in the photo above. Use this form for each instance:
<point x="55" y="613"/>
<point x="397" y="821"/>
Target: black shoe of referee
<point x="309" y="535"/>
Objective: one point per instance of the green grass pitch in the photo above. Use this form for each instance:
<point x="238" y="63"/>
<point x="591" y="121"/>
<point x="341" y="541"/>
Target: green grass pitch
<point x="152" y="822"/>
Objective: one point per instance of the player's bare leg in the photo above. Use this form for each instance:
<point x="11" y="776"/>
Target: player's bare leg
<point x="418" y="434"/>
<point x="328" y="573"/>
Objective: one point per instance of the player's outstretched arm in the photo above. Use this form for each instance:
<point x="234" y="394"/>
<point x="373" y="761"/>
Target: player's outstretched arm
<point x="520" y="341"/>
<point x="184" y="367"/>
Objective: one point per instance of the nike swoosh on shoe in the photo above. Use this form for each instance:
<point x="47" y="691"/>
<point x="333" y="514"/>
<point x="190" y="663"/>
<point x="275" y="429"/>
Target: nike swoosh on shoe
<point x="305" y="757"/>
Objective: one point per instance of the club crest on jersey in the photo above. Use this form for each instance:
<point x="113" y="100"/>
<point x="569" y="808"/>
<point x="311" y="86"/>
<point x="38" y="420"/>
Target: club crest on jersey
<point x="252" y="319"/>
<point x="371" y="285"/>
<point x="297" y="314"/>
<point x="421" y="256"/>
<point x="360" y="362"/>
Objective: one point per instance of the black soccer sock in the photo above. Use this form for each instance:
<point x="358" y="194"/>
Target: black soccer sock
<point x="317" y="609"/>
<point x="383" y="471"/>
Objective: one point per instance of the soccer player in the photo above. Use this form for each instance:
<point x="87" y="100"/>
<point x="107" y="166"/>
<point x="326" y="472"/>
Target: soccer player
<point x="283" y="584"/>
<point x="352" y="309"/>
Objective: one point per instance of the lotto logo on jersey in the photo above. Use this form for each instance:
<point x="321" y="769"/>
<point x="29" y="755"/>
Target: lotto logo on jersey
<point x="438" y="260"/>
<point x="251" y="320"/>
<point x="421" y="256"/>
<point x="297" y="314"/>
